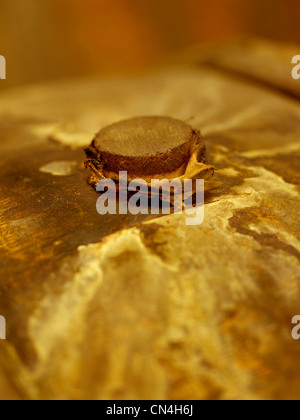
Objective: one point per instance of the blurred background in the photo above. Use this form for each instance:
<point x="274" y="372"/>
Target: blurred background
<point x="49" y="39"/>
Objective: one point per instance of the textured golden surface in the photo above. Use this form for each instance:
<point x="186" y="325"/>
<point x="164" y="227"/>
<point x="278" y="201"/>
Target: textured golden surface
<point x="119" y="307"/>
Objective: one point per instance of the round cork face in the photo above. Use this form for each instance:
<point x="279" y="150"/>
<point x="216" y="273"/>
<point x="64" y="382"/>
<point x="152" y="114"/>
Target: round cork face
<point x="145" y="145"/>
<point x="143" y="136"/>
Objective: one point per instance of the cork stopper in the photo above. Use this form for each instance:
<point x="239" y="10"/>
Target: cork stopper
<point x="145" y="145"/>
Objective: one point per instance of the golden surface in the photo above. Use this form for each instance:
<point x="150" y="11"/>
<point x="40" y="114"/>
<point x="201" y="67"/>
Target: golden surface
<point x="120" y="307"/>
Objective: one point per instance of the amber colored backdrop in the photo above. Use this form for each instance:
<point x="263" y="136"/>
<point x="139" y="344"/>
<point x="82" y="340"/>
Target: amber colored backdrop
<point x="47" y="39"/>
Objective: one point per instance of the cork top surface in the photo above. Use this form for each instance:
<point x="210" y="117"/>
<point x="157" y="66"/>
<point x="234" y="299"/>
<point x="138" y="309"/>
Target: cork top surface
<point x="143" y="136"/>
